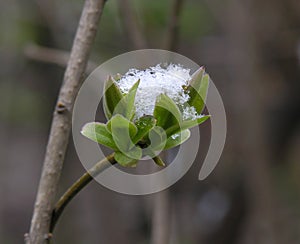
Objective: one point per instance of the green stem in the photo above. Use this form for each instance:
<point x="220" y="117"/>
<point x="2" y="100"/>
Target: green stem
<point x="159" y="161"/>
<point x="82" y="182"/>
<point x="78" y="186"/>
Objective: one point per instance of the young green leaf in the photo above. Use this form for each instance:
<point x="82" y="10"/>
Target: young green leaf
<point x="123" y="131"/>
<point x="98" y="133"/>
<point x="158" y="138"/>
<point x="126" y="107"/>
<point x="112" y="97"/>
<point x="177" y="139"/>
<point x="197" y="89"/>
<point x="144" y="125"/>
<point x="191" y="123"/>
<point x="186" y="124"/>
<point x="166" y="112"/>
<point x="124" y="160"/>
<point x="134" y="154"/>
<point x="156" y="141"/>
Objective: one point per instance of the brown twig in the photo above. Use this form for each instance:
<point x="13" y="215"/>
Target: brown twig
<point x="61" y="123"/>
<point x="51" y="17"/>
<point x="131" y="25"/>
<point x="161" y="218"/>
<point x="173" y="29"/>
<point x="47" y="55"/>
<point x="52" y="56"/>
<point x="78" y="186"/>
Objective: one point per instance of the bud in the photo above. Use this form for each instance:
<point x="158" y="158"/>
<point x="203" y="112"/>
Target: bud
<point x="149" y="111"/>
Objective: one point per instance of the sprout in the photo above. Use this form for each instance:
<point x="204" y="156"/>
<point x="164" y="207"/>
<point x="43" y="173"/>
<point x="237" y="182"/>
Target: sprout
<point x="149" y="111"/>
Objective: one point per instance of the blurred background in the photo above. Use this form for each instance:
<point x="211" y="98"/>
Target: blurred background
<point x="250" y="48"/>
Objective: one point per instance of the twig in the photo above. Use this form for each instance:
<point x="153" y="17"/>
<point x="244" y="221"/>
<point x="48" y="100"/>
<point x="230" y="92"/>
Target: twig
<point x="47" y="55"/>
<point x="173" y="29"/>
<point x="217" y="12"/>
<point x="52" y="18"/>
<point x="161" y="218"/>
<point x="52" y="56"/>
<point x="61" y="123"/>
<point x="78" y="186"/>
<point x="161" y="214"/>
<point x="131" y="25"/>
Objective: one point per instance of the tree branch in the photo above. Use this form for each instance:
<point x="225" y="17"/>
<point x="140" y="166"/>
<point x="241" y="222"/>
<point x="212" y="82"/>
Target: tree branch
<point x="61" y="123"/>
<point x="131" y="25"/>
<point x="173" y="29"/>
<point x="78" y="186"/>
<point x="52" y="56"/>
<point x="161" y="218"/>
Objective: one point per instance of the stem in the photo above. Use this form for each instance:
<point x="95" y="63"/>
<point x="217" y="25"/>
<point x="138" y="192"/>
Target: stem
<point x="78" y="186"/>
<point x="131" y="24"/>
<point x="158" y="160"/>
<point x="173" y="29"/>
<point x="160" y="226"/>
<point x="161" y="218"/>
<point x="82" y="182"/>
<point x="61" y="123"/>
<point x="52" y="56"/>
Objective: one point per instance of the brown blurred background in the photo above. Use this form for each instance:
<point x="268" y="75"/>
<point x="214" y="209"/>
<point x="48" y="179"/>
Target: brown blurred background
<point x="250" y="48"/>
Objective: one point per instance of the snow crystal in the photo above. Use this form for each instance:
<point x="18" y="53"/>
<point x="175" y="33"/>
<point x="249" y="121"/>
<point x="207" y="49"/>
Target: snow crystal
<point x="190" y="113"/>
<point x="155" y="81"/>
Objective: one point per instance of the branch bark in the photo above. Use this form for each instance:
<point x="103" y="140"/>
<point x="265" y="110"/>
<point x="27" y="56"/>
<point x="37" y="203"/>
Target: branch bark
<point x="173" y="29"/>
<point x="131" y="25"/>
<point x="161" y="218"/>
<point x="52" y="56"/>
<point x="78" y="186"/>
<point x="61" y="123"/>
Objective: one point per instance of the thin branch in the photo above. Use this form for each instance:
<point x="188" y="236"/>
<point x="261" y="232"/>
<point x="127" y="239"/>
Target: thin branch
<point x="61" y="123"/>
<point x="161" y="218"/>
<point x="131" y="25"/>
<point x="78" y="186"/>
<point x="47" y="10"/>
<point x="47" y="55"/>
<point x="217" y="12"/>
<point x="83" y="181"/>
<point x="173" y="29"/>
<point x="52" y="56"/>
<point x="160" y="230"/>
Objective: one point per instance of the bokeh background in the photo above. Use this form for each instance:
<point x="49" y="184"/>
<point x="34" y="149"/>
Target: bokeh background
<point x="251" y="49"/>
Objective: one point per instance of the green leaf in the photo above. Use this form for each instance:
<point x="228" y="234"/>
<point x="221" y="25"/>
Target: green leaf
<point x="144" y="125"/>
<point x="197" y="89"/>
<point x="126" y="107"/>
<point x="177" y="139"/>
<point x="166" y="112"/>
<point x="123" y="131"/>
<point x="186" y="124"/>
<point x="98" y="133"/>
<point x="158" y="138"/>
<point x="191" y="123"/>
<point x="156" y="141"/>
<point x="134" y="154"/>
<point x="112" y="97"/>
<point x="124" y="160"/>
